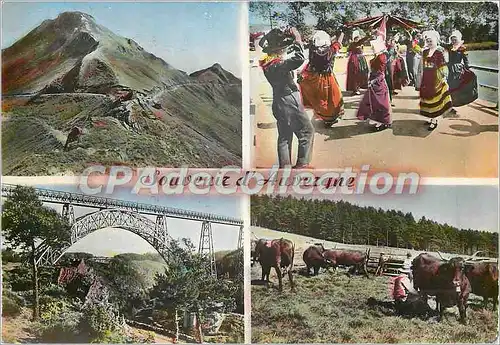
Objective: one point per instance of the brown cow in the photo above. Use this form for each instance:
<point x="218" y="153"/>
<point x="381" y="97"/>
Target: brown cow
<point x="279" y="254"/>
<point x="352" y="258"/>
<point x="444" y="279"/>
<point x="313" y="258"/>
<point x="454" y="287"/>
<point x="483" y="277"/>
<point x="253" y="250"/>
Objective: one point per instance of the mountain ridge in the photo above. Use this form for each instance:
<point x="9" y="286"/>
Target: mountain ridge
<point x="126" y="99"/>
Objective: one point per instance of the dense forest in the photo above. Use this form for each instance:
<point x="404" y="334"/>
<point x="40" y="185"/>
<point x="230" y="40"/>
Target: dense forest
<point x="478" y="21"/>
<point x="341" y="221"/>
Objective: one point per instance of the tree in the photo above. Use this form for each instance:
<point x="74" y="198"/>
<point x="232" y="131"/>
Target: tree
<point x="265" y="10"/>
<point x="186" y="285"/>
<point x="26" y="223"/>
<point x="127" y="285"/>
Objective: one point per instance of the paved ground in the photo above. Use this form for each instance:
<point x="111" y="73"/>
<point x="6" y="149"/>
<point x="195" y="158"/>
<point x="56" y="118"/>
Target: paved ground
<point x="463" y="146"/>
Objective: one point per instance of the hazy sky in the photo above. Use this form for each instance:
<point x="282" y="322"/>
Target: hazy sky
<point x="110" y="241"/>
<point x="462" y="206"/>
<point x="189" y="36"/>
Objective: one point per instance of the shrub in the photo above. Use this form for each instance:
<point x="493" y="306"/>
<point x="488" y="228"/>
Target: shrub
<point x="10" y="307"/>
<point x="101" y="325"/>
<point x="9" y="255"/>
<point x="482" y="46"/>
<point x="58" y="322"/>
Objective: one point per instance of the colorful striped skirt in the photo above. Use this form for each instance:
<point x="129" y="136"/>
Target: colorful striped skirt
<point x="435" y="97"/>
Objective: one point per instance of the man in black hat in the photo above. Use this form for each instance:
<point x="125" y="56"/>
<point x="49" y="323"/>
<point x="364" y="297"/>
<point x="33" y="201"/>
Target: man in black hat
<point x="287" y="105"/>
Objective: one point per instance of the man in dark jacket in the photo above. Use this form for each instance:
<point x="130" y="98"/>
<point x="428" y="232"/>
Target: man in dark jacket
<point x="287" y="105"/>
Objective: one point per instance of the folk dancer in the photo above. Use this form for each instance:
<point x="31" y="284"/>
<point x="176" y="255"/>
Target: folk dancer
<point x="435" y="99"/>
<point x="389" y="72"/>
<point x="400" y="73"/>
<point x="357" y="67"/>
<point x="410" y="56"/>
<point x="417" y="49"/>
<point x="375" y="103"/>
<point x="461" y="80"/>
<point x="318" y="85"/>
<point x="287" y="105"/>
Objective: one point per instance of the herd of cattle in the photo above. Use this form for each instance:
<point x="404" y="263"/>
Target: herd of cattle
<point x="449" y="280"/>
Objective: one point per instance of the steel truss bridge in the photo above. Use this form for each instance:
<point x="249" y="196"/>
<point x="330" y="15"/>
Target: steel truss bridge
<point x="127" y="215"/>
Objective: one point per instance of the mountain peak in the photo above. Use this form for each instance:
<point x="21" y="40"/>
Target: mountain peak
<point x="215" y="73"/>
<point x="74" y="14"/>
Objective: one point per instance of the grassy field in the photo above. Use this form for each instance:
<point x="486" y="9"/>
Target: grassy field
<point x="331" y="308"/>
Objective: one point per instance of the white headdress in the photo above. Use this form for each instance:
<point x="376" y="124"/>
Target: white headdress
<point x="456" y="34"/>
<point x="433" y="35"/>
<point x="355" y="34"/>
<point x="378" y="45"/>
<point x="321" y="39"/>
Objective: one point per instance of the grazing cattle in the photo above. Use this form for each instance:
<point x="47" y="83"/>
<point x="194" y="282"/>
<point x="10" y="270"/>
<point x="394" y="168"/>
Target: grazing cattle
<point x="424" y="270"/>
<point x="483" y="277"/>
<point x="455" y="287"/>
<point x="353" y="258"/>
<point x="313" y="258"/>
<point x="279" y="254"/>
<point x="253" y="249"/>
<point x="444" y="279"/>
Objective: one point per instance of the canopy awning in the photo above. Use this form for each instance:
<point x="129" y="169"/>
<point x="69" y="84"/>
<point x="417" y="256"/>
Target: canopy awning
<point x="390" y="21"/>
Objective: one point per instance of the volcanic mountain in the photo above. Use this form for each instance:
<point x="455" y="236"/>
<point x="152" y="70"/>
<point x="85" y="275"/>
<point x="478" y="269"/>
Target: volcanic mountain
<point x="132" y="107"/>
<point x="215" y="73"/>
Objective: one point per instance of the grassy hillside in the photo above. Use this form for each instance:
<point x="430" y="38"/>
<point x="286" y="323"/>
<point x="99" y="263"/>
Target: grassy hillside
<point x="197" y="127"/>
<point x="134" y="108"/>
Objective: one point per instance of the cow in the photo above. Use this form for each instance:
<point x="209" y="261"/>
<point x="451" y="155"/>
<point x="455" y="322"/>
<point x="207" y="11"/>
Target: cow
<point x="253" y="250"/>
<point x="483" y="277"/>
<point x="313" y="258"/>
<point x="278" y="253"/>
<point x="424" y="270"/>
<point x="444" y="279"/>
<point x="352" y="258"/>
<point x="455" y="287"/>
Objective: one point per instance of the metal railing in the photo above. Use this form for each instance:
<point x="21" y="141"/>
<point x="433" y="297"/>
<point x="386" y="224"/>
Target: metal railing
<point x="485" y="69"/>
<point x="487" y="86"/>
<point x="60" y="197"/>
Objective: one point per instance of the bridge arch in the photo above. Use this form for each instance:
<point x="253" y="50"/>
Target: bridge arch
<point x="128" y="220"/>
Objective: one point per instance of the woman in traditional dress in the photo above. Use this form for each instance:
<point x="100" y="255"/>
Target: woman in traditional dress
<point x="417" y="48"/>
<point x="400" y="72"/>
<point x="461" y="80"/>
<point x="357" y="68"/>
<point x="435" y="99"/>
<point x="390" y="54"/>
<point x="318" y="85"/>
<point x="375" y="103"/>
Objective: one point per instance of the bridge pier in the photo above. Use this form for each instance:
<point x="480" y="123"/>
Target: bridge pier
<point x="206" y="246"/>
<point x="161" y="230"/>
<point x="68" y="213"/>
<point x="240" y="237"/>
